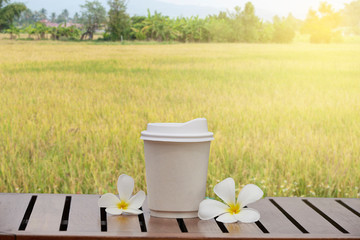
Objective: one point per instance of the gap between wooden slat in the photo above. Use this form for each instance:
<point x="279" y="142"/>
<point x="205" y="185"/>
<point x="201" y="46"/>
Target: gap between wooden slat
<point x="182" y="225"/>
<point x="142" y="222"/>
<point x="348" y="207"/>
<point x="262" y="227"/>
<point x="27" y="214"/>
<point x="103" y="220"/>
<point x="288" y="216"/>
<point x="335" y="224"/>
<point x="65" y="216"/>
<point x="222" y="226"/>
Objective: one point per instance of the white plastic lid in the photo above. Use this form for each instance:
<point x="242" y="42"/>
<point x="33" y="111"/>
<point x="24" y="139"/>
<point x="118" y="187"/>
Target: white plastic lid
<point x="193" y="131"/>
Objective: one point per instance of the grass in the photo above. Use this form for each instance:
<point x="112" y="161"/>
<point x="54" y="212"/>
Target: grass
<point x="285" y="117"/>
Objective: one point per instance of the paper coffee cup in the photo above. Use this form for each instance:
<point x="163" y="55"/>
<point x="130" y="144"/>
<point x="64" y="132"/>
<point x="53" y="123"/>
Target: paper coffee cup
<point x="176" y="160"/>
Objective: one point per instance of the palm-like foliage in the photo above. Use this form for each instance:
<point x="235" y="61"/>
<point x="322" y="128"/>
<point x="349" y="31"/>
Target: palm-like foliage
<point x="196" y="29"/>
<point x="158" y="27"/>
<point x="30" y="30"/>
<point x="239" y="25"/>
<point x="13" y="31"/>
<point x="162" y="28"/>
<point x="41" y="30"/>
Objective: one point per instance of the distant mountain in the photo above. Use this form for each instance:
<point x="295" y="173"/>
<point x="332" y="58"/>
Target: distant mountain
<point x="55" y="6"/>
<point x="135" y="7"/>
<point x="265" y="9"/>
<point x="139" y="7"/>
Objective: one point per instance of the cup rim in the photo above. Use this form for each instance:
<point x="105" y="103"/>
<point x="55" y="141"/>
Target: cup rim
<point x="162" y="137"/>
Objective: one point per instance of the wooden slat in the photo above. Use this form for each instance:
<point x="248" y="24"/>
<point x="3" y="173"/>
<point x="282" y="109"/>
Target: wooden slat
<point x="240" y="229"/>
<point x="47" y="213"/>
<point x="159" y="225"/>
<point x="339" y="214"/>
<point x="12" y="210"/>
<point x="84" y="214"/>
<point x="176" y="236"/>
<point x="123" y="223"/>
<point x="354" y="203"/>
<point x="195" y="225"/>
<point x="272" y="218"/>
<point x="4" y="236"/>
<point x="84" y="220"/>
<point x="308" y="218"/>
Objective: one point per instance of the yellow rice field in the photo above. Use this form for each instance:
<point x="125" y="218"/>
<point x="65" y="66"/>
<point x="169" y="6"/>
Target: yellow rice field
<point x="285" y="117"/>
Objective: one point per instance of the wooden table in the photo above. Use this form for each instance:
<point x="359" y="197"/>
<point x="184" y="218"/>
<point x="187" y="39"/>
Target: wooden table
<point x="58" y="216"/>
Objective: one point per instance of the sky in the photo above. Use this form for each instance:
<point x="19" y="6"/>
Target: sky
<point x="265" y="9"/>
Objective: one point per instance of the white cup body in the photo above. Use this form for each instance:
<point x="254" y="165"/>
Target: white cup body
<point x="176" y="174"/>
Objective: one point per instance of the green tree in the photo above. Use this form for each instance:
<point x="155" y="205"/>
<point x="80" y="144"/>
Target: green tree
<point x="119" y="20"/>
<point x="158" y="27"/>
<point x="26" y="18"/>
<point x="37" y="16"/>
<point x="219" y="29"/>
<point x="76" y="18"/>
<point x="351" y="15"/>
<point x="30" y="31"/>
<point x="294" y="22"/>
<point x="67" y="33"/>
<point x="250" y="24"/>
<point x="283" y="30"/>
<point x="53" y="17"/>
<point x="180" y="29"/>
<point x="235" y="19"/>
<point x="93" y="15"/>
<point x="137" y="26"/>
<point x="191" y="29"/>
<point x="43" y="13"/>
<point x="321" y="25"/>
<point x="245" y="25"/>
<point x="53" y="33"/>
<point x="8" y="12"/>
<point x="64" y="33"/>
<point x="63" y="17"/>
<point x="266" y="32"/>
<point x="41" y="30"/>
<point x="13" y="31"/>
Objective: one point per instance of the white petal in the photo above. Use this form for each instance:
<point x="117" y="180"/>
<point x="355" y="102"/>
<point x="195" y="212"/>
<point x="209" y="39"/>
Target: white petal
<point x="125" y="186"/>
<point x="226" y="190"/>
<point x="226" y="218"/>
<point x="137" y="200"/>
<point x="209" y="209"/>
<point x="114" y="211"/>
<point x="247" y="215"/>
<point x="108" y="200"/>
<point x="133" y="211"/>
<point x="249" y="194"/>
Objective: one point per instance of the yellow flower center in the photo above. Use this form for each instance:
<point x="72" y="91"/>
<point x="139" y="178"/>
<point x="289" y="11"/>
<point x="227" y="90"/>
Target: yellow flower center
<point x="122" y="205"/>
<point x="234" y="208"/>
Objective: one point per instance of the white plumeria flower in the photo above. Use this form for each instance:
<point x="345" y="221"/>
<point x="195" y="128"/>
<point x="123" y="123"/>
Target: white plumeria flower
<point x="125" y="203"/>
<point x="231" y="211"/>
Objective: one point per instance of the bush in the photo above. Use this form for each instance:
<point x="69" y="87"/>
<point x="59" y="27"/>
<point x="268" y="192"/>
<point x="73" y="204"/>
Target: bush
<point x="283" y="31"/>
